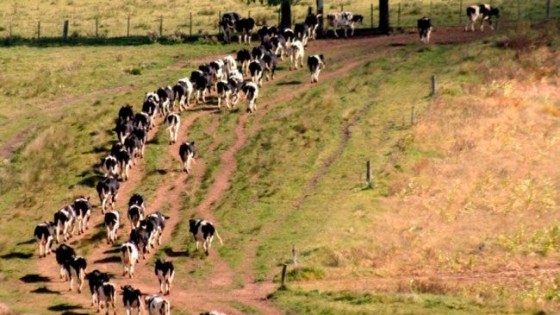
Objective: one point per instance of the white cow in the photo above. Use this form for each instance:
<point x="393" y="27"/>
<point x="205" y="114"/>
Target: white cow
<point x="129" y="256"/>
<point x="156" y="305"/>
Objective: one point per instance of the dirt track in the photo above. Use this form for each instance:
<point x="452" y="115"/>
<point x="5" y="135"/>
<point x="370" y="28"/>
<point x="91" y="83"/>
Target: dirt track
<point x="218" y="292"/>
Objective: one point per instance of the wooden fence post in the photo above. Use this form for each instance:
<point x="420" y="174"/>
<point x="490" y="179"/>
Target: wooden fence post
<point x="219" y="20"/>
<point x="283" y="280"/>
<point x="368" y="174"/>
<point x="161" y="26"/>
<point x="97" y="26"/>
<point x="10" y="33"/>
<point x="294" y="255"/>
<point x="38" y="29"/>
<point x="128" y="26"/>
<point x="548" y="8"/>
<point x="433" y="90"/>
<point x="371" y="15"/>
<point x="399" y="16"/>
<point x="342" y="8"/>
<point x="460" y="12"/>
<point x="190" y="24"/>
<point x="65" y="31"/>
<point x="249" y="14"/>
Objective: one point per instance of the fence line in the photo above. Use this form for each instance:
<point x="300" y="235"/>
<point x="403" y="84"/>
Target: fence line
<point x="404" y="13"/>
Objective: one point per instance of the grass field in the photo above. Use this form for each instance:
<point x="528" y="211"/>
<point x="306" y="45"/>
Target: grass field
<point x="462" y="216"/>
<point x="34" y="18"/>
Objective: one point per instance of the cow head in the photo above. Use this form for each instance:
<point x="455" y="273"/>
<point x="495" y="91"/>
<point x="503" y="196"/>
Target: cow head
<point x="495" y="12"/>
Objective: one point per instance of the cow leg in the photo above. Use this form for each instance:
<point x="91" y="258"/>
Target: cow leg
<point x="81" y="275"/>
<point x="71" y="280"/>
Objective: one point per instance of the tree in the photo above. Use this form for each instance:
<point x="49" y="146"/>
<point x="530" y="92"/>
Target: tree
<point x="384" y="16"/>
<point x="285" y="11"/>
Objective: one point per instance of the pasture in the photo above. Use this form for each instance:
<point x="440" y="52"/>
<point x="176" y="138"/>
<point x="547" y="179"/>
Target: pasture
<point x="461" y="217"/>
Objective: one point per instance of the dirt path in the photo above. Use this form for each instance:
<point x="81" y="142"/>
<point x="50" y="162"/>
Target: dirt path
<point x="218" y="293"/>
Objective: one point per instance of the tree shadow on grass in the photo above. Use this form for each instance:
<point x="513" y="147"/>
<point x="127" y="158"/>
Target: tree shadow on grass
<point x="34" y="278"/>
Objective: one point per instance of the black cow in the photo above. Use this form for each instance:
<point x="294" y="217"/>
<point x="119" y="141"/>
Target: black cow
<point x="44" y="234"/>
<point x="244" y="57"/>
<point x="62" y="254"/>
<point x="187" y="154"/>
<point x="256" y="69"/>
<point x="201" y="80"/>
<point x="150" y="107"/>
<point x="315" y="63"/>
<point x="165" y="272"/>
<point x="251" y="91"/>
<point x="302" y="32"/>
<point x="269" y="62"/>
<point x="123" y="128"/>
<point x="424" y="29"/>
<point x="76" y="269"/>
<point x="312" y="22"/>
<point x="132" y="299"/>
<point x="203" y="231"/>
<point x="126" y="112"/>
<point x="96" y="279"/>
<point x="107" y="190"/>
<point x="228" y="22"/>
<point x="182" y="92"/>
<point x="158" y="220"/>
<point x="110" y="165"/>
<point x="123" y="157"/>
<point x="133" y="146"/>
<point x="142" y="121"/>
<point x="484" y="12"/>
<point x="229" y="91"/>
<point x="140" y="237"/>
<point x="82" y="211"/>
<point x="266" y="33"/>
<point x="245" y="28"/>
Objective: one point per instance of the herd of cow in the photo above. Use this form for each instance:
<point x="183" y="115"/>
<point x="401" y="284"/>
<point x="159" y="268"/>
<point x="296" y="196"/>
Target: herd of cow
<point x="222" y="76"/>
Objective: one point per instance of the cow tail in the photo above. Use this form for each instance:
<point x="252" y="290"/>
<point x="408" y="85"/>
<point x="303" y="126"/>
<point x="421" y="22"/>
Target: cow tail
<point x="219" y="238"/>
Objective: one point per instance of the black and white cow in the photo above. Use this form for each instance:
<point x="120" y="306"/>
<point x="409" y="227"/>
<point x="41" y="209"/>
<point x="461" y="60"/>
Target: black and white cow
<point x="129" y="258"/>
<point x="482" y="12"/>
<point x="135" y="215"/>
<point x="297" y="54"/>
<point x="82" y="211"/>
<point x="173" y="122"/>
<point x="425" y="29"/>
<point x="165" y="272"/>
<point x="110" y="166"/>
<point x="166" y="98"/>
<point x="358" y="18"/>
<point x="302" y="32"/>
<point x="341" y="19"/>
<point x="269" y="62"/>
<point x="108" y="190"/>
<point x="142" y="136"/>
<point x="230" y="65"/>
<point x="312" y="22"/>
<point x="62" y="254"/>
<point x="244" y="57"/>
<point x="266" y="33"/>
<point x="132" y="299"/>
<point x="203" y="231"/>
<point x="112" y="222"/>
<point x="123" y="157"/>
<point x="156" y="305"/>
<point x="126" y="112"/>
<point x="183" y="92"/>
<point x="44" y="234"/>
<point x="137" y="199"/>
<point x="96" y="279"/>
<point x="158" y="220"/>
<point x="256" y="70"/>
<point x="201" y="81"/>
<point x="150" y="107"/>
<point x="64" y="221"/>
<point x="123" y="128"/>
<point x="76" y="270"/>
<point x="244" y="28"/>
<point x="251" y="91"/>
<point x="106" y="293"/>
<point x="187" y="154"/>
<point x="133" y="147"/>
<point x="315" y="63"/>
<point x="147" y="232"/>
<point x="228" y="23"/>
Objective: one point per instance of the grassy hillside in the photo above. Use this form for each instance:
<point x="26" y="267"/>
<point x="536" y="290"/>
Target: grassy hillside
<point x="111" y="18"/>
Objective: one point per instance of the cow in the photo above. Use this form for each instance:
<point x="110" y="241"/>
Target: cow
<point x="64" y="221"/>
<point x="201" y="81"/>
<point x="244" y="28"/>
<point x="82" y="211"/>
<point x="230" y="65"/>
<point x="187" y="154"/>
<point x="229" y="90"/>
<point x="203" y="231"/>
<point x="126" y="112"/>
<point x="297" y="53"/>
<point x="111" y="220"/>
<point x="129" y="257"/>
<point x="137" y="199"/>
<point x="96" y="279"/>
<point x="484" y="12"/>
<point x="251" y="91"/>
<point x="150" y="107"/>
<point x="123" y="128"/>
<point x="108" y="190"/>
<point x="343" y="19"/>
<point x="148" y="231"/>
<point x="269" y="62"/>
<point x="228" y="23"/>
<point x="183" y="91"/>
<point x="358" y="18"/>
<point x="44" y="234"/>
<point x="165" y="272"/>
<point x="256" y="69"/>
<point x="156" y="305"/>
<point x="142" y="136"/>
<point x="158" y="220"/>
<point x="140" y="236"/>
<point x="62" y="254"/>
<point x="217" y="70"/>
<point x="244" y="57"/>
<point x="315" y="63"/>
<point x="312" y="22"/>
<point x="166" y="98"/>
<point x="133" y="147"/>
<point x="76" y="270"/>
<point x="135" y="215"/>
<point x="132" y="299"/>
<point x="173" y="122"/>
<point x="124" y="160"/>
<point x="266" y="33"/>
<point x="110" y="165"/>
<point x="424" y="29"/>
<point x="302" y="32"/>
<point x="106" y="296"/>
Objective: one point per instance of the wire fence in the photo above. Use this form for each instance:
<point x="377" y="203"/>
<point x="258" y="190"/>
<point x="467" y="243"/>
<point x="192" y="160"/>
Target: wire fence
<point x="403" y="13"/>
